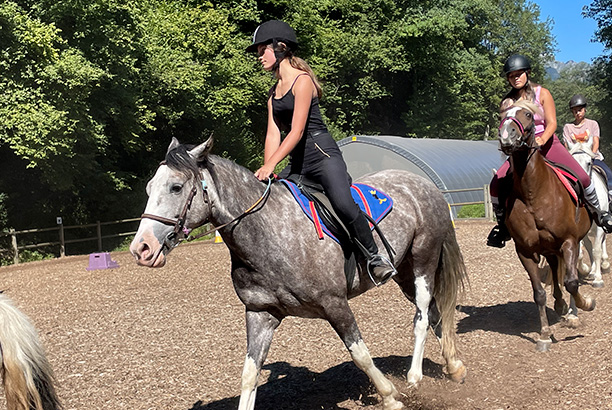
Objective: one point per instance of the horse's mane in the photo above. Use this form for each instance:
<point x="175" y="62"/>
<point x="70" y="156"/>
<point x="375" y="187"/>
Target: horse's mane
<point x="179" y="159"/>
<point x="528" y="105"/>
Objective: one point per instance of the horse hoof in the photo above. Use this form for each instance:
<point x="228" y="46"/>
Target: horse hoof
<point x="597" y="284"/>
<point x="589" y="304"/>
<point x="571" y="321"/>
<point x="392" y="404"/>
<point x="543" y="345"/>
<point x="414" y="379"/>
<point x="458" y="375"/>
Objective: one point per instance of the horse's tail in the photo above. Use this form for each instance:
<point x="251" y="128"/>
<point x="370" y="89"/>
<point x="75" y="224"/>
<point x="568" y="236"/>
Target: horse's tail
<point x="450" y="282"/>
<point x="26" y="374"/>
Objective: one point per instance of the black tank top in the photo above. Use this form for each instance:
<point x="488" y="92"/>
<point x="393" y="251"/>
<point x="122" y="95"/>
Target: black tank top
<point x="282" y="110"/>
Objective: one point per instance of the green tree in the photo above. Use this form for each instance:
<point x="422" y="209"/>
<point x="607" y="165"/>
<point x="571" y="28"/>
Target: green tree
<point x="601" y="74"/>
<point x="91" y="92"/>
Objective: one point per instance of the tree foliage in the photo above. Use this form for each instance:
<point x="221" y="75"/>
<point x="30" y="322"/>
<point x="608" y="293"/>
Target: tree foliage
<point x="601" y="74"/>
<point x="91" y="92"/>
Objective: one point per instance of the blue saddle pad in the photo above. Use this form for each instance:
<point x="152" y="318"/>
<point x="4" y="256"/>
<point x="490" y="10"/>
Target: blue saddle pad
<point x="373" y="202"/>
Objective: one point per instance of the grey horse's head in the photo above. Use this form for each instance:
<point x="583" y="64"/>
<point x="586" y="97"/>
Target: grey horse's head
<point x="176" y="203"/>
<point x="583" y="154"/>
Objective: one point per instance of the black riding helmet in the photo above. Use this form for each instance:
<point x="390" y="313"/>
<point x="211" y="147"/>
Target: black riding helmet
<point x="273" y="31"/>
<point x="516" y="62"/>
<point x="577" y="101"/>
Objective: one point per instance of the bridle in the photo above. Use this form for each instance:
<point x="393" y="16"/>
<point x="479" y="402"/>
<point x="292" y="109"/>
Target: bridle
<point x="525" y="134"/>
<point x="171" y="240"/>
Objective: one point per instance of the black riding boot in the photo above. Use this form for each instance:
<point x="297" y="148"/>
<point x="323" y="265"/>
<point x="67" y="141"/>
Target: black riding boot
<point x="499" y="234"/>
<point x="379" y="268"/>
<point x="601" y="218"/>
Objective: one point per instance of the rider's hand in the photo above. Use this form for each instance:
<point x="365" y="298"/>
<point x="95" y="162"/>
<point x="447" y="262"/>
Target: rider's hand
<point x="539" y="141"/>
<point x="264" y="172"/>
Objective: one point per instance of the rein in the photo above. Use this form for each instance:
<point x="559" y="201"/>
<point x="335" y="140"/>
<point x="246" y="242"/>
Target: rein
<point x="263" y="196"/>
<point x="179" y="223"/>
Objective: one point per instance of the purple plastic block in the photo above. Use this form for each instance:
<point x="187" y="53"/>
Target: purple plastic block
<point x="101" y="261"/>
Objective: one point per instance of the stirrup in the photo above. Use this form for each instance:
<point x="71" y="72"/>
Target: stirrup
<point x="497" y="238"/>
<point x="371" y="265"/>
<point x="604" y="220"/>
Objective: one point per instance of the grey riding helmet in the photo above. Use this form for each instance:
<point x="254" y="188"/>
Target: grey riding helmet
<point x="273" y="31"/>
<point x="516" y="62"/>
<point x="577" y="100"/>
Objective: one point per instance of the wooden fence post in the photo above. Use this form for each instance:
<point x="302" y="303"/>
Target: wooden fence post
<point x="489" y="214"/>
<point x="99" y="230"/>
<point x="15" y="248"/>
<point x="61" y="239"/>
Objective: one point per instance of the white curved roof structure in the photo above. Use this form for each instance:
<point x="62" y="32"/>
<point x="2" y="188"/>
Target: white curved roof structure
<point x="450" y="164"/>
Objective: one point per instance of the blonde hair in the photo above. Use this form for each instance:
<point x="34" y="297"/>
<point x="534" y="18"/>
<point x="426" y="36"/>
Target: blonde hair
<point x="528" y="105"/>
<point x="300" y="64"/>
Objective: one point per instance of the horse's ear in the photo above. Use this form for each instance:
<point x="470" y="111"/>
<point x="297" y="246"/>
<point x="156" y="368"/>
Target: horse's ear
<point x="173" y="144"/>
<point x="201" y="151"/>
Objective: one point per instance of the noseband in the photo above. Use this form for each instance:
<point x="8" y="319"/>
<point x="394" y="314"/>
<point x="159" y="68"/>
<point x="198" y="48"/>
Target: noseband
<point x="179" y="223"/>
<point x="525" y="134"/>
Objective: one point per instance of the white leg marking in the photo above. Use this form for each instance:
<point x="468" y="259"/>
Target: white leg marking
<point x="249" y="385"/>
<point x="421" y="324"/>
<point x="363" y="360"/>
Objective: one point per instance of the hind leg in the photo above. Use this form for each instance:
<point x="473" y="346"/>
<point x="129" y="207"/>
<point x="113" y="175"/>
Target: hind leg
<point x="455" y="368"/>
<point x="260" y="329"/>
<point x="341" y="318"/>
<point x="596" y="261"/>
<point x="605" y="262"/>
<point x="423" y="298"/>
<point x="569" y="250"/>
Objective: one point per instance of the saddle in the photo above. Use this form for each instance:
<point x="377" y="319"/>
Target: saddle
<point x="312" y="199"/>
<point x="600" y="171"/>
<point x="570" y="180"/>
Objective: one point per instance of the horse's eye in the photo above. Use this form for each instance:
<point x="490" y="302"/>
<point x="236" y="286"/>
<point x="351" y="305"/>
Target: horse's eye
<point x="528" y="114"/>
<point x="176" y="188"/>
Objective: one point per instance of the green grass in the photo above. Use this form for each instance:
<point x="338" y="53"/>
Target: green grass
<point x="472" y="211"/>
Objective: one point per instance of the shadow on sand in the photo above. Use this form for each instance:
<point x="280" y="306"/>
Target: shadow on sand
<point x="291" y="387"/>
<point x="513" y="318"/>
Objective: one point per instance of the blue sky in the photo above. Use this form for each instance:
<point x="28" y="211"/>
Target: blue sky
<point x="572" y="31"/>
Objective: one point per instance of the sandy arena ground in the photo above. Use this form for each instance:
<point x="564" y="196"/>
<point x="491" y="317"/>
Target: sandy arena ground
<point x="174" y="339"/>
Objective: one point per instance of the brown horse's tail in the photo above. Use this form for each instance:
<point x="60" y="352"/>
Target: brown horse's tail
<point x="451" y="281"/>
<point x="26" y="374"/>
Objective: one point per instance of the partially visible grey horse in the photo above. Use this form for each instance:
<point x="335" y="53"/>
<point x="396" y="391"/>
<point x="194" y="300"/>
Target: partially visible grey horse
<point x="280" y="268"/>
<point x="595" y="240"/>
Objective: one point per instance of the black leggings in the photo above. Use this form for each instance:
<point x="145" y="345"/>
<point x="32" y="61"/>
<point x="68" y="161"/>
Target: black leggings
<point x="320" y="160"/>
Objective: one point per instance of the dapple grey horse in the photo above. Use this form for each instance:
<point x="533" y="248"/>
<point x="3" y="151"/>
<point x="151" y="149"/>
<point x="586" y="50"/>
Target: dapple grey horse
<point x="279" y="268"/>
<point x="595" y="240"/>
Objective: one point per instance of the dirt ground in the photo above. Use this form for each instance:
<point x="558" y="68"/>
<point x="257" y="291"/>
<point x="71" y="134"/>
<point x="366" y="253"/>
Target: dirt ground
<point x="174" y="338"/>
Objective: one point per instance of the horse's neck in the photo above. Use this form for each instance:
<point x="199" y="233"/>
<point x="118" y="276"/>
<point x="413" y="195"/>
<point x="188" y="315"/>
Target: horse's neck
<point x="232" y="189"/>
<point x="529" y="169"/>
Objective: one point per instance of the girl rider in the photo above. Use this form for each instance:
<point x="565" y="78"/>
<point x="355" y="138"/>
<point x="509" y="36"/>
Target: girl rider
<point x="293" y="107"/>
<point x="517" y="70"/>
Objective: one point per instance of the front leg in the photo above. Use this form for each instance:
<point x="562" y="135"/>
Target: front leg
<point x="539" y="296"/>
<point x="340" y="316"/>
<point x="260" y="329"/>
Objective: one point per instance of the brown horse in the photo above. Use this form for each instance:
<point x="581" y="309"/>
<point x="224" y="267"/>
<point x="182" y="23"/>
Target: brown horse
<point x="542" y="218"/>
